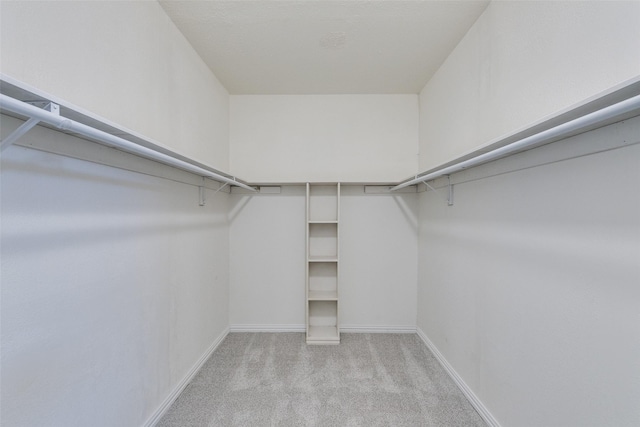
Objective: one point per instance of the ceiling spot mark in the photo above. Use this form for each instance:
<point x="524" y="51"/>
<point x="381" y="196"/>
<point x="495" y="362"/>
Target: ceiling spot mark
<point x="334" y="40"/>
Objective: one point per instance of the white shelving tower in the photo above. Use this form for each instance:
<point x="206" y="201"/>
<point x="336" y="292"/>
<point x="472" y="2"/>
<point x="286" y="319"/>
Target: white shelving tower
<point x="323" y="254"/>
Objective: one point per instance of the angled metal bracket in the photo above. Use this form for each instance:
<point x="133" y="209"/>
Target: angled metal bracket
<point x="26" y="126"/>
<point x="450" y="192"/>
<point x="202" y="191"/>
<point x="16" y="134"/>
<point x="221" y="187"/>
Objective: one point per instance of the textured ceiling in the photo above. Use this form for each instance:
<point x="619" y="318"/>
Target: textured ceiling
<point x="323" y="47"/>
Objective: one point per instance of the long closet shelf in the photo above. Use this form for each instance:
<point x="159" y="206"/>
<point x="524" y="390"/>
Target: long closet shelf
<point x="323" y="335"/>
<point x="618" y="104"/>
<point x="323" y="296"/>
<point x="97" y="130"/>
<point x="323" y="222"/>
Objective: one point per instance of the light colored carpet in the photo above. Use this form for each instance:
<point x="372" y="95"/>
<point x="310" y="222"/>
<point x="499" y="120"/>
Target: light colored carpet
<point x="275" y="379"/>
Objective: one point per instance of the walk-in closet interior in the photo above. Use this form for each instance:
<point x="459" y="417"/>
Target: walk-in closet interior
<point x="178" y="174"/>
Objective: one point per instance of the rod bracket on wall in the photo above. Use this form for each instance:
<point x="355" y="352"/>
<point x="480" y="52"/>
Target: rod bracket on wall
<point x="26" y="126"/>
<point x="51" y="107"/>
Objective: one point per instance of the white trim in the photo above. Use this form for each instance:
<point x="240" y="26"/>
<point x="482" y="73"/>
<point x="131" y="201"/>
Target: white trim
<point x="267" y="328"/>
<point x="378" y="329"/>
<point x="166" y="404"/>
<point x="470" y="395"/>
<point x="367" y="329"/>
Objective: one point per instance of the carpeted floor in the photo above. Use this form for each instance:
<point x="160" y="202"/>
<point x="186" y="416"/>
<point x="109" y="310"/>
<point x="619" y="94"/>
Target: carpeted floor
<point x="275" y="379"/>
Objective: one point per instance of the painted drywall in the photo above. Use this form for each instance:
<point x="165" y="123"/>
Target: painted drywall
<point x="523" y="61"/>
<point x="114" y="285"/>
<point x="124" y="61"/>
<point x="378" y="250"/>
<point x="528" y="285"/>
<point x="267" y="256"/>
<point x="323" y="138"/>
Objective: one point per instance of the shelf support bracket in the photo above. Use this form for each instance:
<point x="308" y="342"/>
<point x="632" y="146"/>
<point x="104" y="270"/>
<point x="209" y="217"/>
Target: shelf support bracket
<point x="449" y="187"/>
<point x="201" y="192"/>
<point x="16" y="134"/>
<point x="26" y="126"/>
<point x="221" y="187"/>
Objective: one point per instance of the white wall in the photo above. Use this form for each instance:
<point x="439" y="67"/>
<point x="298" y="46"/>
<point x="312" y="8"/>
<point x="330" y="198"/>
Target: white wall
<point x="324" y="138"/>
<point x="529" y="284"/>
<point x="124" y="61"/>
<point x="378" y="250"/>
<point x="378" y="253"/>
<point x="114" y="284"/>
<point x="520" y="62"/>
<point x="267" y="256"/>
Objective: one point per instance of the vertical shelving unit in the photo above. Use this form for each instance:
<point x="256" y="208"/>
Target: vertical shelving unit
<point x="323" y="253"/>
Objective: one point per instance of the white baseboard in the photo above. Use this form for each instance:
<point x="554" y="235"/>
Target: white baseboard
<point x="377" y="329"/>
<point x="268" y="328"/>
<point x="166" y="404"/>
<point x="470" y="395"/>
<point x="343" y="328"/>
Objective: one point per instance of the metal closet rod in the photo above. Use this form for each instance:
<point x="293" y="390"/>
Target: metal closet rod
<point x="554" y="133"/>
<point x="67" y="125"/>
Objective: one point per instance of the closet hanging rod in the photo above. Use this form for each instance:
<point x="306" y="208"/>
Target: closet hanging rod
<point x="61" y="123"/>
<point x="555" y="133"/>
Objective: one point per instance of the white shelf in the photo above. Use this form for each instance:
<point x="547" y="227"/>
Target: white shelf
<point x="323" y="296"/>
<point x="323" y="335"/>
<point x="322" y="259"/>
<point x="323" y="222"/>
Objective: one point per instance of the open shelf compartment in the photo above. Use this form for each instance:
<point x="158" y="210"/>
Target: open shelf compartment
<point x="323" y="203"/>
<point x="323" y="281"/>
<point x="323" y="240"/>
<point x="323" y="322"/>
